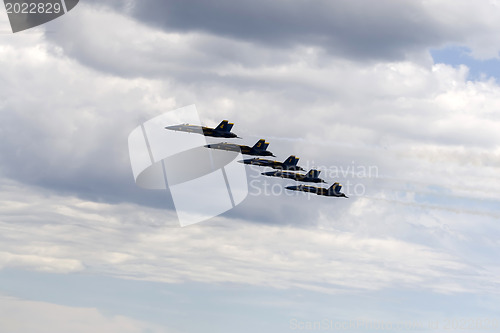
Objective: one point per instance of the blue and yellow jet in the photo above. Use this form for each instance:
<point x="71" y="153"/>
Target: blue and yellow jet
<point x="311" y="177"/>
<point x="332" y="191"/>
<point x="259" y="149"/>
<point x="289" y="164"/>
<point x="223" y="130"/>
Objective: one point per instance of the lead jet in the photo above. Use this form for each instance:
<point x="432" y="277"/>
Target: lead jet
<point x="332" y="191"/>
<point x="259" y="149"/>
<point x="223" y="130"/>
<point x="310" y="177"/>
<point x="289" y="164"/>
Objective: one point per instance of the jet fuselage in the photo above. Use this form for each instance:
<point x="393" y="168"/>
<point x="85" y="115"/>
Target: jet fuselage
<point x="333" y="191"/>
<point x="245" y="150"/>
<point x="272" y="164"/>
<point x="294" y="176"/>
<point x="223" y="130"/>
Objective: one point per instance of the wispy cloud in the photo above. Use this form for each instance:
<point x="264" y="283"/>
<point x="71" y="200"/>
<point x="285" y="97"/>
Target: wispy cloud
<point x="64" y="234"/>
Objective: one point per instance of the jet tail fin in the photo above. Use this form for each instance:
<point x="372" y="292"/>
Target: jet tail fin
<point x="335" y="188"/>
<point x="224" y="126"/>
<point x="261" y="145"/>
<point x="313" y="173"/>
<point x="291" y="160"/>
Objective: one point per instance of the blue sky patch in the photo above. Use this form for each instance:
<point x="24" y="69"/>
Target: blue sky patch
<point x="460" y="55"/>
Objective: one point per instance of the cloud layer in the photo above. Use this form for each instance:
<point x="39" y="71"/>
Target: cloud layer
<point x="347" y="86"/>
<point x="64" y="234"/>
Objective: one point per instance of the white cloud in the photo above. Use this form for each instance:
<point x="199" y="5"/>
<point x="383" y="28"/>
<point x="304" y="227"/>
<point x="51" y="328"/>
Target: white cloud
<point x="423" y="127"/>
<point x="42" y="263"/>
<point x="367" y="248"/>
<point x="469" y="24"/>
<point x="70" y="98"/>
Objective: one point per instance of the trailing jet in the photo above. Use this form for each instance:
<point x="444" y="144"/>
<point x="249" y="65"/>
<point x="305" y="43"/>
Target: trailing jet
<point x="259" y="149"/>
<point x="310" y="177"/>
<point x="332" y="191"/>
<point x="223" y="130"/>
<point x="289" y="164"/>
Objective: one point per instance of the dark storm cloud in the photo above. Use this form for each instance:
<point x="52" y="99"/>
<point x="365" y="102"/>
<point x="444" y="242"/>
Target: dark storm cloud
<point x="355" y="29"/>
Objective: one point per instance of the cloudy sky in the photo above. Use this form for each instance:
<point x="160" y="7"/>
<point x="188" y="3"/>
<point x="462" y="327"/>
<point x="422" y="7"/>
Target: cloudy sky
<point x="399" y="101"/>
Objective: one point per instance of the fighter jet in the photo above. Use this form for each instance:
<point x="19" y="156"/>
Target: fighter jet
<point x="310" y="177"/>
<point x="289" y="164"/>
<point x="333" y="191"/>
<point x="259" y="149"/>
<point x="223" y="130"/>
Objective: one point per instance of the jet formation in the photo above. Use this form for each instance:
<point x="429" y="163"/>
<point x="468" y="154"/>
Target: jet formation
<point x="223" y="130"/>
